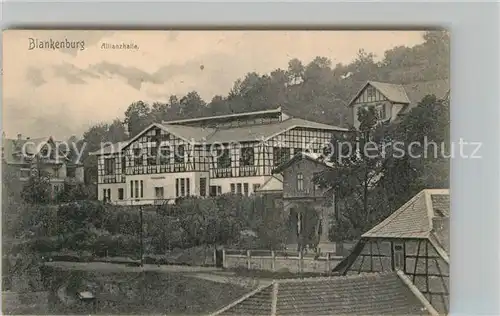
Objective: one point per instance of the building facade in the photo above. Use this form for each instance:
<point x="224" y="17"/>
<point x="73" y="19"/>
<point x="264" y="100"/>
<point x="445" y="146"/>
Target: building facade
<point x="414" y="240"/>
<point x="391" y="101"/>
<point x="43" y="156"/>
<point x="301" y="193"/>
<point x="205" y="156"/>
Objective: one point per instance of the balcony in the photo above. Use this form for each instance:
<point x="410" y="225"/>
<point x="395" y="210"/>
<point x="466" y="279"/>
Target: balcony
<point x="248" y="171"/>
<point x="307" y="193"/>
<point x="223" y="173"/>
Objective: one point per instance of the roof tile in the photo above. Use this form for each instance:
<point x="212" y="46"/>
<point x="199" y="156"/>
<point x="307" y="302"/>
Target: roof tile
<point x="364" y="294"/>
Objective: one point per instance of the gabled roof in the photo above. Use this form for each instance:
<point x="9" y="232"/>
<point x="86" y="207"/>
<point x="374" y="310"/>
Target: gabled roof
<point x="408" y="94"/>
<point x="271" y="184"/>
<point x="13" y="148"/>
<point x="264" y="132"/>
<point x="200" y="135"/>
<point x="226" y="116"/>
<point x="364" y="294"/>
<point x="414" y="218"/>
<point x="317" y="158"/>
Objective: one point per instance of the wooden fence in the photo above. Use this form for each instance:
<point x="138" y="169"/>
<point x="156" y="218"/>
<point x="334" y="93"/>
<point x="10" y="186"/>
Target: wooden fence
<point x="279" y="261"/>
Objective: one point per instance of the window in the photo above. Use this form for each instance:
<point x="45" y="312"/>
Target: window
<point x="203" y="186"/>
<point x="142" y="189"/>
<point x="256" y="187"/>
<point x="109" y="166"/>
<point x="120" y="194"/>
<point x="109" y="194"/>
<point x="177" y="187"/>
<point x="104" y="191"/>
<point x="381" y="113"/>
<point x="238" y="188"/>
<point x="124" y="164"/>
<point x="106" y="195"/>
<point x="297" y="150"/>
<point x="280" y="155"/>
<point x="153" y="153"/>
<point x="315" y="178"/>
<point x="213" y="190"/>
<point x="164" y="155"/>
<point x="136" y="188"/>
<point x="56" y="172"/>
<point x="223" y="158"/>
<point x="219" y="190"/>
<point x="398" y="256"/>
<point x="370" y="92"/>
<point x="131" y="189"/>
<point x="179" y="155"/>
<point x="71" y="172"/>
<point x="247" y="156"/>
<point x="183" y="187"/>
<point x="188" y="187"/>
<point x="300" y="182"/>
<point x="245" y="189"/>
<point x="158" y="192"/>
<point x="138" y="157"/>
<point x="233" y="188"/>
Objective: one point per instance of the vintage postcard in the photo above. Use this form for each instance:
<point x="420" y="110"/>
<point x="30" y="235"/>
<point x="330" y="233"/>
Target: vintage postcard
<point x="225" y="172"/>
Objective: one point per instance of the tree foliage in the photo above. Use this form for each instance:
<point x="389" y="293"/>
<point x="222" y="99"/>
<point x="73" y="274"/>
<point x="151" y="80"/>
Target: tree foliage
<point x="315" y="90"/>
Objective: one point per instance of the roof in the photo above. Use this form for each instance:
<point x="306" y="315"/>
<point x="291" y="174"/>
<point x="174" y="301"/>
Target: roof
<point x="299" y="156"/>
<point x="13" y="148"/>
<point x="364" y="294"/>
<point x="414" y="218"/>
<point x="226" y="116"/>
<point x="273" y="183"/>
<point x="253" y="133"/>
<point x="110" y="149"/>
<point x="409" y="94"/>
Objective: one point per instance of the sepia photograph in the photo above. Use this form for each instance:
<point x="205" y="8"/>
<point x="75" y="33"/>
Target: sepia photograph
<point x="226" y="172"/>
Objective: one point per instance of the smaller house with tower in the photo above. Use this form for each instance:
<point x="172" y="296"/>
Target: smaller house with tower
<point x="301" y="195"/>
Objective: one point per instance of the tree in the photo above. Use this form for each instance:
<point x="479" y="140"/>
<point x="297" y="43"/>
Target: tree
<point x="38" y="189"/>
<point x="359" y="162"/>
<point x="137" y="117"/>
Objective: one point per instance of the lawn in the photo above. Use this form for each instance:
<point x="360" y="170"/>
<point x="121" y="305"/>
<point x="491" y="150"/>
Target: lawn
<point x="138" y="293"/>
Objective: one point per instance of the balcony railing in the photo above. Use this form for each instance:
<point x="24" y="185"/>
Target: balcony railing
<point x="307" y="193"/>
<point x="248" y="171"/>
<point x="223" y="173"/>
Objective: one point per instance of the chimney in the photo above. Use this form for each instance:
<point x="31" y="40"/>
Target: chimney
<point x="19" y="136"/>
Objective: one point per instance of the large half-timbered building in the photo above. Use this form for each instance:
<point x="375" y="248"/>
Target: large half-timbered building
<point x="414" y="240"/>
<point x="205" y="156"/>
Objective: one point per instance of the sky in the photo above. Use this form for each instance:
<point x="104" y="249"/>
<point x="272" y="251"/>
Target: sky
<point x="62" y="92"/>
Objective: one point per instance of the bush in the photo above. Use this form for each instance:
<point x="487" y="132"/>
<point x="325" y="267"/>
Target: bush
<point x="44" y="245"/>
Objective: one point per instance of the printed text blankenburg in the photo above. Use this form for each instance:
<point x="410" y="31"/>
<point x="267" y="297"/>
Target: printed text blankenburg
<point x="35" y="43"/>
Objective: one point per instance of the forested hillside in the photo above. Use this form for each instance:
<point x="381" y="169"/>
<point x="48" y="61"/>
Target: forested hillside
<point x="317" y="91"/>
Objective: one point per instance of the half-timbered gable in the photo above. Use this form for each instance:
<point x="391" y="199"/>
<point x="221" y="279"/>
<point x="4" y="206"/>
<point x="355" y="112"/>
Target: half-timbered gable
<point x="415" y="240"/>
<point x="393" y="100"/>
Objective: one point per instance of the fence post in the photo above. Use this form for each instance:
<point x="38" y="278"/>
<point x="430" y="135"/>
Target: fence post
<point x="249" y="257"/>
<point x="301" y="262"/>
<point x="273" y="261"/>
<point x="327" y="262"/>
